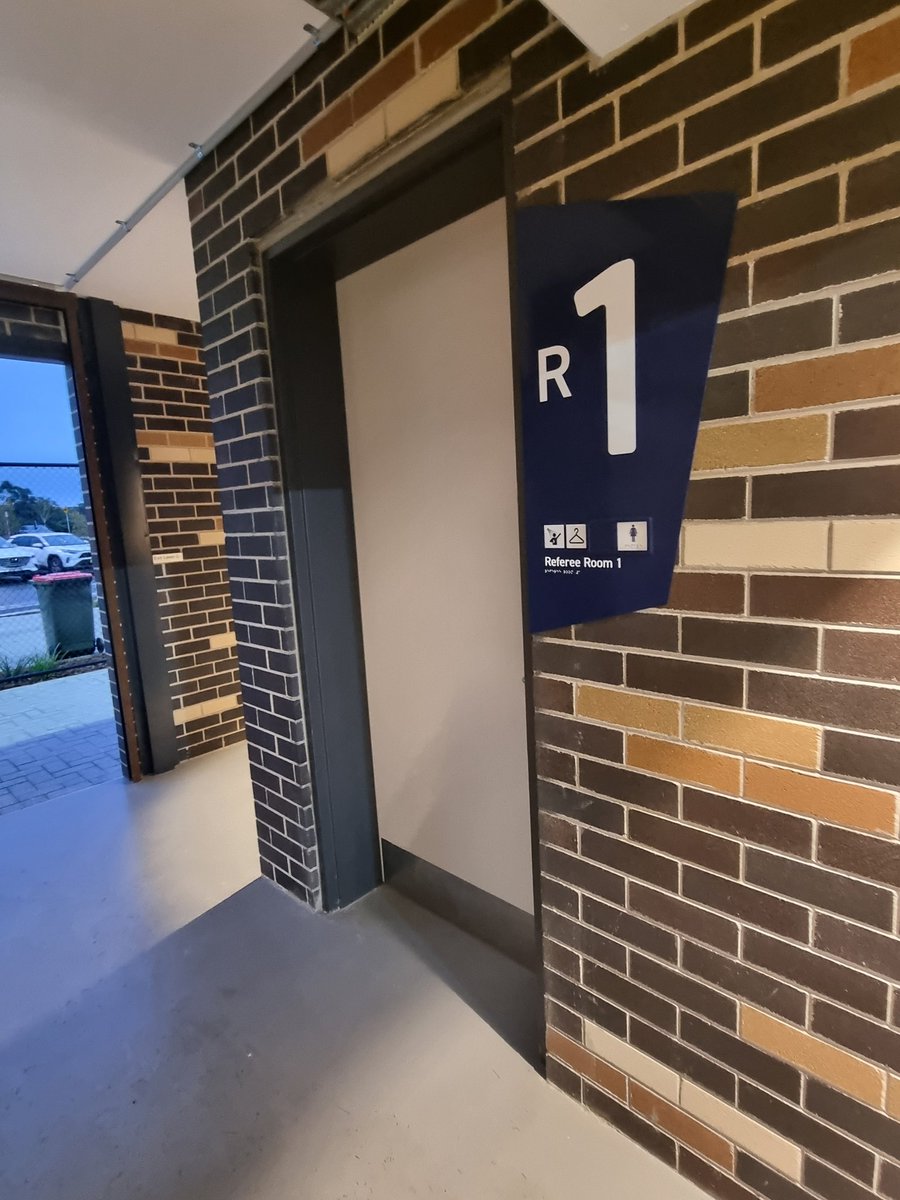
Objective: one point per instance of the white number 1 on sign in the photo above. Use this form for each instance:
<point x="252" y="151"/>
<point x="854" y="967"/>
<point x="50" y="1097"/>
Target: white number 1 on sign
<point x="613" y="289"/>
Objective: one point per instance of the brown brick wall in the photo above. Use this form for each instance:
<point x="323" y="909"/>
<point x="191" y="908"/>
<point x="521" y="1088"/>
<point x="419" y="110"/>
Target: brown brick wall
<point x="719" y="779"/>
<point x="181" y="492"/>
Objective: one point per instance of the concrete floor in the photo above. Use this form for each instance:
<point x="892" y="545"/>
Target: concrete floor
<point x="174" y="1027"/>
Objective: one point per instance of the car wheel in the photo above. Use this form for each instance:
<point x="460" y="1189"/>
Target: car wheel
<point x="54" y="563"/>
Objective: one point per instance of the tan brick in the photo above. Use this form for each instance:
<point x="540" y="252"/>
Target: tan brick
<point x="326" y="128"/>
<point x="777" y="1151"/>
<point x="384" y="81"/>
<point x="790" y="545"/>
<point x="831" y="379"/>
<point x="139" y="346"/>
<point x="762" y="443"/>
<point x="632" y="1061"/>
<point x="222" y="641"/>
<point x="438" y="85"/>
<point x="151" y="437"/>
<point x="840" y="1068"/>
<point x="681" y="1126"/>
<point x="874" y="56"/>
<point x="615" y="706"/>
<point x="207" y="708"/>
<point x="893" y="1096"/>
<point x="172" y="453"/>
<point x="841" y="803"/>
<point x="685" y="763"/>
<point x="748" y="733"/>
<point x="210" y="537"/>
<point x="155" y="333"/>
<point x="365" y="136"/>
<point x="587" y="1064"/>
<point x="872" y="546"/>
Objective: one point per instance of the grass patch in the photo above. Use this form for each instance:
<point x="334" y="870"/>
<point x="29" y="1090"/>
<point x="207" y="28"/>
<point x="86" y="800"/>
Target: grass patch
<point x="29" y="664"/>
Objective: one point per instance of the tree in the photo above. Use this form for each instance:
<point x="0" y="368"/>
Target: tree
<point x="20" y="506"/>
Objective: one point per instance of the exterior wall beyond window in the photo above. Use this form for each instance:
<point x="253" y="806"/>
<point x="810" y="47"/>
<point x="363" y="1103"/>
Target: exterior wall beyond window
<point x="718" y="779"/>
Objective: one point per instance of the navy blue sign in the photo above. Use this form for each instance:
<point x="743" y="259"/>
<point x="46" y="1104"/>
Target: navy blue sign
<point x="617" y="305"/>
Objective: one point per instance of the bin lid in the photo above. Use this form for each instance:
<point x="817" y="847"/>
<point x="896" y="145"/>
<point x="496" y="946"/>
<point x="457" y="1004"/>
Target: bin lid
<point x="61" y="577"/>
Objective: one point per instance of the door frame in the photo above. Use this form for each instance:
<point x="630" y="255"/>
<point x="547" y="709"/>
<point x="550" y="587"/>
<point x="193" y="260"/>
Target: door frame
<point x="456" y="173"/>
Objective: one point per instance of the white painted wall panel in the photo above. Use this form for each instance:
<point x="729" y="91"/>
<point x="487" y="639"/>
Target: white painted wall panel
<point x="428" y="382"/>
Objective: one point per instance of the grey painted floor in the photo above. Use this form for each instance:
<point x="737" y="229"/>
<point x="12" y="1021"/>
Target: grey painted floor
<point x="173" y="1027"/>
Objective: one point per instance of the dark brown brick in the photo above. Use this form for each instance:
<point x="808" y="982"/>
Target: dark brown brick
<point x="781" y="831"/>
<point x="659" y="795"/>
<point x="565" y="147"/>
<point x="705" y="1176"/>
<point x="630" y="996"/>
<point x="629" y="859"/>
<point x="585" y="1003"/>
<point x="870" y="758"/>
<point x="633" y="1126"/>
<point x="748" y="641"/>
<point x="765" y="1180"/>
<point x="456" y="24"/>
<point x="547" y="56"/>
<point x="300" y="113"/>
<point x="706" y="592"/>
<point x="791" y="214"/>
<point x="876" y="1129"/>
<point x="565" y="1079"/>
<point x="741" y="1056"/>
<point x="577" y="661"/>
<point x="874" y="951"/>
<point x="352" y="67"/>
<point x="535" y="114"/>
<point x="556" y="895"/>
<point x="714" y="16"/>
<point x="566" y="1022"/>
<point x="648" y="631"/>
<point x="626" y="169"/>
<point x="555" y="764"/>
<point x="841" y="258"/>
<point x="839" y="601"/>
<point x="407" y="20"/>
<point x="869" y="432"/>
<point x="689" y="81"/>
<point x="625" y="927"/>
<point x="585" y="86"/>
<point x="889" y="1181"/>
<point x="557" y="831"/>
<point x="722" y="499"/>
<point x="858" y="1034"/>
<point x="773" y="333"/>
<point x="496" y="43"/>
<point x="579" y="736"/>
<point x="743" y="981"/>
<point x="730" y="173"/>
<point x="584" y="875"/>
<point x="679" y="677"/>
<point x="859" y="854"/>
<point x="820" y="889"/>
<point x="763" y="106"/>
<point x="874" y="187"/>
<point x="806" y="22"/>
<point x="748" y="904"/>
<point x="795" y="1125"/>
<point x="576" y="806"/>
<point x="862" y="655"/>
<point x="560" y="959"/>
<point x="726" y="396"/>
<point x="697" y="923"/>
<point x="683" y="842"/>
<point x="584" y="940"/>
<point x="829" y="1184"/>
<point x="851" y="492"/>
<point x="553" y="694"/>
<point x="817" y="973"/>
<point x="736" y="290"/>
<point x="383" y="82"/>
<point x="686" y="992"/>
<point x="855" y="706"/>
<point x="683" y="1059"/>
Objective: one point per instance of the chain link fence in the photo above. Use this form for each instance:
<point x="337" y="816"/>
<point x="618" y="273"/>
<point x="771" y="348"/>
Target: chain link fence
<point x="47" y="626"/>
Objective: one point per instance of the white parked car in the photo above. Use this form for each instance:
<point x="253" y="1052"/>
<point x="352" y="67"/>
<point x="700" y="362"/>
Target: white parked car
<point x="16" y="562"/>
<point x="56" y="551"/>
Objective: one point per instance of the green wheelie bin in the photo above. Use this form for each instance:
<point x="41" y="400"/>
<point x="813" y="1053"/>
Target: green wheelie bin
<point x="67" y="610"/>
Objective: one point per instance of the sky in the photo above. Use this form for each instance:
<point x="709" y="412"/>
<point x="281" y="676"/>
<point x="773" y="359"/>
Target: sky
<point x="36" y="426"/>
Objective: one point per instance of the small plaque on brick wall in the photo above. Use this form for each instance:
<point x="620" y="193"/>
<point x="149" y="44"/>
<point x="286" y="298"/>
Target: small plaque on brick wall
<point x="168" y="556"/>
<point x="617" y="309"/>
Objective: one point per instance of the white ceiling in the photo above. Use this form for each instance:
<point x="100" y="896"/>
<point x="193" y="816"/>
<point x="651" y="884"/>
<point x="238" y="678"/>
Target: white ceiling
<point x="100" y="98"/>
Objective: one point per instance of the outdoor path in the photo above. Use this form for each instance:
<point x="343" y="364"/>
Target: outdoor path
<point x="56" y="736"/>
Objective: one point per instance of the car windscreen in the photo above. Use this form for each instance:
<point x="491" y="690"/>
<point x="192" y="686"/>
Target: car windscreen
<point x="62" y="539"/>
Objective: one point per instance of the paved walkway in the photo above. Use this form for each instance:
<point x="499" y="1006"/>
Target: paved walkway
<point x="56" y="736"/>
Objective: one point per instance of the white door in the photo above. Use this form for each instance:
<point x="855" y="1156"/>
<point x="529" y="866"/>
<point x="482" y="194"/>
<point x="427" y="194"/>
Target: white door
<point x="428" y="383"/>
